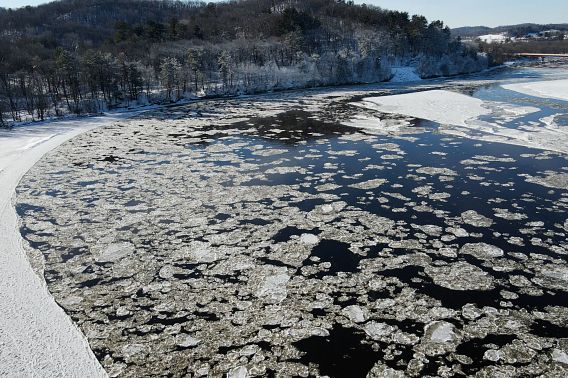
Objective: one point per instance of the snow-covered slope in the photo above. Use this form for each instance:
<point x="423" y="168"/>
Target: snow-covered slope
<point x="404" y="74"/>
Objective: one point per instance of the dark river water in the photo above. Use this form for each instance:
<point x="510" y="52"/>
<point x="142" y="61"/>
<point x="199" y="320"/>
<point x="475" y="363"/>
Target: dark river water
<point x="263" y="237"/>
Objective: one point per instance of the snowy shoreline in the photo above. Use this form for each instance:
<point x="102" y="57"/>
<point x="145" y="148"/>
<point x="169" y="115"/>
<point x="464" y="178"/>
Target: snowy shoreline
<point x="37" y="338"/>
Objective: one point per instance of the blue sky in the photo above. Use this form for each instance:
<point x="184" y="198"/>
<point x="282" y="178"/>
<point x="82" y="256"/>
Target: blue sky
<point x="453" y="12"/>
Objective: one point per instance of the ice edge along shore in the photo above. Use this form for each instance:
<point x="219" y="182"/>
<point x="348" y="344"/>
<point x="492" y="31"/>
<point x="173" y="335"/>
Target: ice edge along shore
<point x="37" y="338"/>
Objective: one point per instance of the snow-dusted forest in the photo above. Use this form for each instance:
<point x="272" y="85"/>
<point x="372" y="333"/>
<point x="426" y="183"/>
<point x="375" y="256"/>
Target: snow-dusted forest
<point x="83" y="56"/>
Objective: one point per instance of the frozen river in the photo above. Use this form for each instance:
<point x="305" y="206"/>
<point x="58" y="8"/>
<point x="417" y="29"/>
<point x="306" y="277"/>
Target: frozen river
<point x="325" y="232"/>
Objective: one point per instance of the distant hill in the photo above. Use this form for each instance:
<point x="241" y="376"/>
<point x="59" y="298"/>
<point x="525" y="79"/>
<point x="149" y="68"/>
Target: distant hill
<point x="471" y="31"/>
<point x="513" y="30"/>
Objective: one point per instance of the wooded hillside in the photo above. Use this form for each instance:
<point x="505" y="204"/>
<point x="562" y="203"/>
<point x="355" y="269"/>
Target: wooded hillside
<point x="87" y="55"/>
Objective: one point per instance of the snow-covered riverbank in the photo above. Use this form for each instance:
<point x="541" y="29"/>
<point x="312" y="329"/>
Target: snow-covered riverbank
<point x="37" y="338"/>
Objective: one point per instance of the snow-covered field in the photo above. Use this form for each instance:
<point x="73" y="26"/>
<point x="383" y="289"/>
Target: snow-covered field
<point x="37" y="338"/>
<point x="556" y="89"/>
<point x="493" y="38"/>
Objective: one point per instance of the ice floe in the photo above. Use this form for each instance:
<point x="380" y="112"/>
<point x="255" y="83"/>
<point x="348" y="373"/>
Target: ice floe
<point x="441" y="106"/>
<point x="402" y="261"/>
<point x="466" y="116"/>
<point x="556" y="89"/>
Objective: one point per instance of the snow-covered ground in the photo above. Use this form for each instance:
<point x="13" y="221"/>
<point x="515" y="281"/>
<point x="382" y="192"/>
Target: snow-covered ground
<point x="493" y="38"/>
<point x="404" y="74"/>
<point x="37" y="338"/>
<point x="555" y="89"/>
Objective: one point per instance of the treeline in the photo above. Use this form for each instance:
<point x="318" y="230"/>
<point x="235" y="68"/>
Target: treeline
<point x="522" y="30"/>
<point x="517" y="31"/>
<point x="82" y="56"/>
<point x="502" y="52"/>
